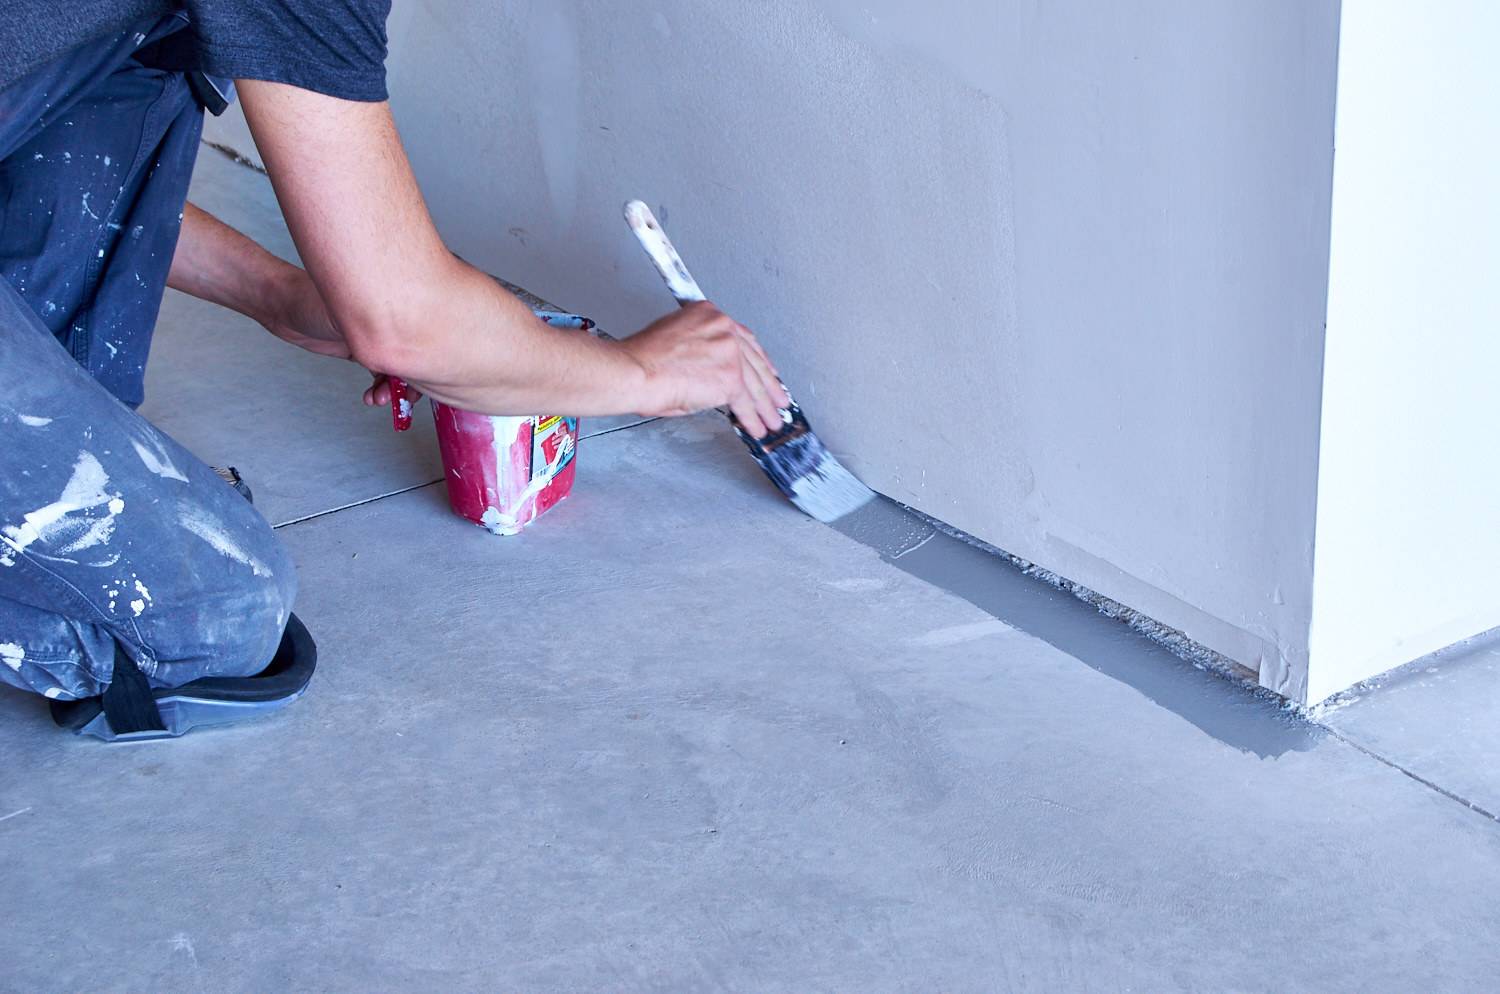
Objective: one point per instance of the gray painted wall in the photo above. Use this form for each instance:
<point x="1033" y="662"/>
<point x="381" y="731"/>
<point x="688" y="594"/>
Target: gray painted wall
<point x="1052" y="272"/>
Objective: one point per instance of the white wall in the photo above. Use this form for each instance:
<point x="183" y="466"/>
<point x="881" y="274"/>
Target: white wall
<point x="1408" y="525"/>
<point x="1052" y="272"/>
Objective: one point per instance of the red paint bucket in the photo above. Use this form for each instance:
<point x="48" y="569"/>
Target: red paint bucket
<point x="505" y="472"/>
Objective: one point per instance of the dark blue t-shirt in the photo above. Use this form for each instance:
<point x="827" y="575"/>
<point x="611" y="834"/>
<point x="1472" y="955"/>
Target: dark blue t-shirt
<point x="336" y="47"/>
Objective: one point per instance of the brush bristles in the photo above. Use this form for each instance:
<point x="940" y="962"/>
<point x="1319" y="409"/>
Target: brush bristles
<point x="813" y="479"/>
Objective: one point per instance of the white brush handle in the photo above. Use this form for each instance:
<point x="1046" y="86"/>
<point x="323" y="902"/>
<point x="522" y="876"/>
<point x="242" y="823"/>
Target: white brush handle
<point x="648" y="231"/>
<point x="659" y="247"/>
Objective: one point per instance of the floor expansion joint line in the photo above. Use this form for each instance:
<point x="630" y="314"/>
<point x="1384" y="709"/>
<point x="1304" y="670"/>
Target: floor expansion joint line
<point x="611" y="431"/>
<point x="419" y="486"/>
<point x="1444" y="791"/>
<point x="357" y="503"/>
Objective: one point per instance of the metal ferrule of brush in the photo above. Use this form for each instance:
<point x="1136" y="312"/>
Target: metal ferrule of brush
<point x="794" y="426"/>
<point x="792" y="456"/>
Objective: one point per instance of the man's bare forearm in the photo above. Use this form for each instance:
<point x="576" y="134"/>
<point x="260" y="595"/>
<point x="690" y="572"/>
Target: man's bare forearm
<point x="216" y="263"/>
<point x="404" y="303"/>
<point x="470" y="343"/>
<point x="461" y="322"/>
<point x="408" y="308"/>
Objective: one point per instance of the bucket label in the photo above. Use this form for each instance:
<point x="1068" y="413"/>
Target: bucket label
<point x="554" y="442"/>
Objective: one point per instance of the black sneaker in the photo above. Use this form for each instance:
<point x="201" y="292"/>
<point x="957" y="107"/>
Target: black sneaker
<point x="231" y="476"/>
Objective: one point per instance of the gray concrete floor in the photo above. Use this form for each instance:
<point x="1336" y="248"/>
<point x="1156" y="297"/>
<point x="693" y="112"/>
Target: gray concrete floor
<point x="677" y="737"/>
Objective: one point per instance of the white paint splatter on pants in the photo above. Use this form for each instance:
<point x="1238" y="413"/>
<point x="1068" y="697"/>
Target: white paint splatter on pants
<point x="158" y="462"/>
<point x="210" y="532"/>
<point x="84" y="491"/>
<point x="12" y="654"/>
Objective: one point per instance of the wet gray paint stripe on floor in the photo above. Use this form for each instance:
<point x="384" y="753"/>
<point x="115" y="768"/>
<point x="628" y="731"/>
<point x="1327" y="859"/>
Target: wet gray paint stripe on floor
<point x="1255" y="722"/>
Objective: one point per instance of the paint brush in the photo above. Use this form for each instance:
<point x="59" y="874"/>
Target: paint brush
<point x="792" y="456"/>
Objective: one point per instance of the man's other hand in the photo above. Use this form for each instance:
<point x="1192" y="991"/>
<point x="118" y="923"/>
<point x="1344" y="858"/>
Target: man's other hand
<point x="379" y="392"/>
<point x="214" y="262"/>
<point x="296" y="314"/>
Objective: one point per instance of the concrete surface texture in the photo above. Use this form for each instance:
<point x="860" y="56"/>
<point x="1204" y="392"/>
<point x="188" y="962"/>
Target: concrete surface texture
<point x="679" y="737"/>
<point x="1085" y="245"/>
<point x="1408" y="540"/>
<point x="1435" y="719"/>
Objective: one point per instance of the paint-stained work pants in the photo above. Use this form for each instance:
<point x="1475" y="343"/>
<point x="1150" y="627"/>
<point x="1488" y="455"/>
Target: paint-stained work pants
<point x="109" y="530"/>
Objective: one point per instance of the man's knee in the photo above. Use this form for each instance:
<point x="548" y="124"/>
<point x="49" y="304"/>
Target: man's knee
<point x="259" y="610"/>
<point x="238" y="596"/>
